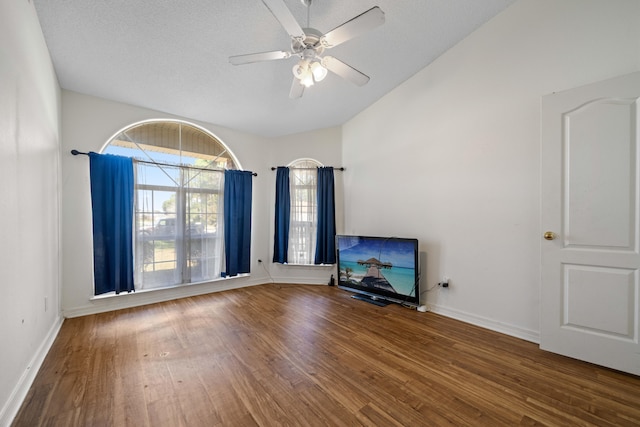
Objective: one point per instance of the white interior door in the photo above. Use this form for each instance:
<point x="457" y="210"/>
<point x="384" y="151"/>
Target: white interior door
<point x="590" y="297"/>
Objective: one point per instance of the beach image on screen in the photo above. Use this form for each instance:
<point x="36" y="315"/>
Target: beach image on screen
<point x="385" y="264"/>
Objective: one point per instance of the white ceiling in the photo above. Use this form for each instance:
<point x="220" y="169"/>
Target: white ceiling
<point x="172" y="56"/>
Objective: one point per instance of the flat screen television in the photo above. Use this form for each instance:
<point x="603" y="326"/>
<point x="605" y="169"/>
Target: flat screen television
<point x="379" y="269"/>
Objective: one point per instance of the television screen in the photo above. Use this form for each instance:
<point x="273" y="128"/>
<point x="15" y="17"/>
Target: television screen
<point x="379" y="268"/>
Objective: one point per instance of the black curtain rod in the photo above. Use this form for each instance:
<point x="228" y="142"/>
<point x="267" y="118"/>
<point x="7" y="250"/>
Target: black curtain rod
<point x="76" y="152"/>
<point x="338" y="169"/>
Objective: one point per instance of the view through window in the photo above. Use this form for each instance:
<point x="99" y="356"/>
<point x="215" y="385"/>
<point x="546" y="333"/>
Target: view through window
<point x="303" y="177"/>
<point x="179" y="174"/>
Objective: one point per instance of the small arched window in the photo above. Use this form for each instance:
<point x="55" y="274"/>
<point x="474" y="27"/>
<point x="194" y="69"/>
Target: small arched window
<point x="179" y="171"/>
<point x="304" y="211"/>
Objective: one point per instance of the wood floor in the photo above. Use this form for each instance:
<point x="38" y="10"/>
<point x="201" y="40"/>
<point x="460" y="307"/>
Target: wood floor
<point x="290" y="355"/>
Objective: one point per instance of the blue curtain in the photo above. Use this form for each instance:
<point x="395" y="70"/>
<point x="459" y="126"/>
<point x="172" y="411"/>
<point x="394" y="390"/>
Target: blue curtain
<point x="237" y="222"/>
<point x="112" y="206"/>
<point x="283" y="215"/>
<point x="325" y="241"/>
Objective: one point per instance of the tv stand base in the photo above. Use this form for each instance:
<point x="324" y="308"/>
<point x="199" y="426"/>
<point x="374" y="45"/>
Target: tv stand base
<point x="371" y="300"/>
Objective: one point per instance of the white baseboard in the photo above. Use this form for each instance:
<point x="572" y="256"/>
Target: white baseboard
<point x="19" y="393"/>
<point x="484" y="322"/>
<point x="299" y="281"/>
<point x="301" y="274"/>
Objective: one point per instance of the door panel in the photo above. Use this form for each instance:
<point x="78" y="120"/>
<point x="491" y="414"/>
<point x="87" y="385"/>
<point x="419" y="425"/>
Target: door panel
<point x="592" y="307"/>
<point x="589" y="293"/>
<point x="599" y="174"/>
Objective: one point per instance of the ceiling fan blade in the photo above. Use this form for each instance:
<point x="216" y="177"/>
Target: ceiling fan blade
<point x="257" y="57"/>
<point x="285" y="17"/>
<point x="359" y="25"/>
<point x="345" y="71"/>
<point x="297" y="89"/>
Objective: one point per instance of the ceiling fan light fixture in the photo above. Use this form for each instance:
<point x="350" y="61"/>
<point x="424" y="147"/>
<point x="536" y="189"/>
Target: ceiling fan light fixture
<point x="298" y="71"/>
<point x="307" y="79"/>
<point x="318" y="71"/>
<point x="301" y="69"/>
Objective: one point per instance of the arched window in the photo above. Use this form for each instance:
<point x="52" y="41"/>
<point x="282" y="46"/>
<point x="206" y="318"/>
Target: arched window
<point x="304" y="211"/>
<point x="179" y="171"/>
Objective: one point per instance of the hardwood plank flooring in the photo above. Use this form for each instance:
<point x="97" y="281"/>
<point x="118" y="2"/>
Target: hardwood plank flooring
<point x="296" y="355"/>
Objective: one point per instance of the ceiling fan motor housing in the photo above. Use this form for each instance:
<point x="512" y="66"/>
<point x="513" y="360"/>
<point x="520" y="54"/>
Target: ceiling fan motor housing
<point x="311" y="41"/>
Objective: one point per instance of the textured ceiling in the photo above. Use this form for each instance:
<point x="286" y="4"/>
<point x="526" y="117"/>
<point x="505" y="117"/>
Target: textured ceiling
<point x="172" y="56"/>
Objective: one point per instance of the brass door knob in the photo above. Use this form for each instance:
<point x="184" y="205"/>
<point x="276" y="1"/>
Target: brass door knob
<point x="549" y="235"/>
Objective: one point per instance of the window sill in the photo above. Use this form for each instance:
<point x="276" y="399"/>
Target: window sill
<point x="164" y="288"/>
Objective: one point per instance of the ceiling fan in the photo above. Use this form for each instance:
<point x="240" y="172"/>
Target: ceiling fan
<point x="309" y="44"/>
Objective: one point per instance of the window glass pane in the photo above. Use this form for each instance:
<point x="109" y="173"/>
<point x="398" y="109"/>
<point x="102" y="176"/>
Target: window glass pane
<point x="303" y="225"/>
<point x="158" y="176"/>
<point x="204" y="247"/>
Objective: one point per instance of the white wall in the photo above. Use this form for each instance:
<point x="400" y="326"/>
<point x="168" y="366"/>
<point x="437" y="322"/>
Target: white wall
<point x="29" y="205"/>
<point x="459" y="146"/>
<point x="89" y="122"/>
